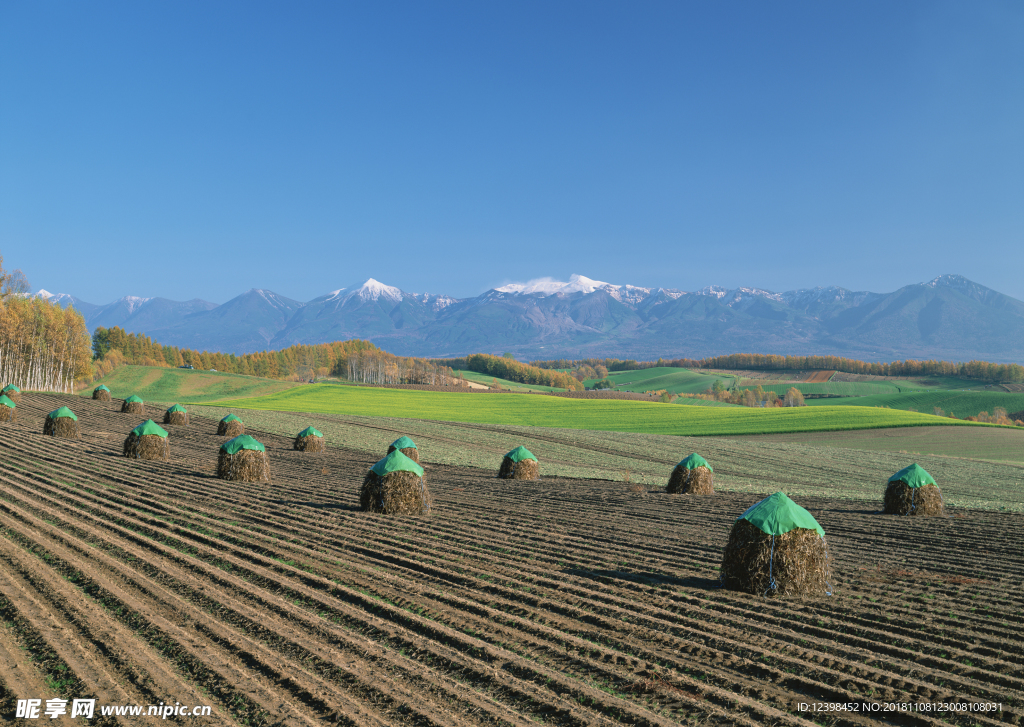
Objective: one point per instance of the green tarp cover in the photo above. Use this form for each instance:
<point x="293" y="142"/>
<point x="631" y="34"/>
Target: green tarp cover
<point x="242" y="441"/>
<point x="310" y="432"/>
<point x="62" y="413"/>
<point x="520" y="453"/>
<point x="148" y="428"/>
<point x="178" y="407"/>
<point x="914" y="475"/>
<point x="101" y="387"/>
<point x="777" y="514"/>
<point x="231" y="418"/>
<point x="12" y="387"/>
<point x="693" y="462"/>
<point x="396" y="462"/>
<point x="133" y="399"/>
<point x="403" y="443"/>
<point x="4" y="401"/>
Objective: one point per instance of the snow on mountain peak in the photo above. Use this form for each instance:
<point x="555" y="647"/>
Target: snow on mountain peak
<point x="550" y="286"/>
<point x="370" y="290"/>
<point x="715" y="291"/>
<point x="44" y="294"/>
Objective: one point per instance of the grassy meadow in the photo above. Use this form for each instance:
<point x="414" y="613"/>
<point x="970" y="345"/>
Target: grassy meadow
<point x="592" y="414"/>
<point x="153" y="383"/>
<point x="672" y="380"/>
<point x="960" y="403"/>
<point x="503" y="383"/>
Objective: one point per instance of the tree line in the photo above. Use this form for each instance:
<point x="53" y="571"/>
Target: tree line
<point x="43" y="347"/>
<point x="976" y="370"/>
<point x="354" y="360"/>
<point x="508" y="368"/>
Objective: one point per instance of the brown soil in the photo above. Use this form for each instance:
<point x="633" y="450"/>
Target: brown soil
<point x="562" y="601"/>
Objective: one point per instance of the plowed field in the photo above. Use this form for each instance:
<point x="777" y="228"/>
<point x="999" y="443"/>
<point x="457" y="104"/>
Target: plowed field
<point x="572" y="602"/>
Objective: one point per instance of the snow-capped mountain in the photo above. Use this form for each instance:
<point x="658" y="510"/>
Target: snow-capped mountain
<point x="948" y="317"/>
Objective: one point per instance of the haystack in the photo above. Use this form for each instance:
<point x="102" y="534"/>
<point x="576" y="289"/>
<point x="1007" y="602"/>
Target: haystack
<point x="231" y="426"/>
<point x="407" y="447"/>
<point x="61" y="423"/>
<point x="310" y="440"/>
<point x="8" y="409"/>
<point x="133" y="405"/>
<point x="147" y="441"/>
<point x="912" y="491"/>
<point x="519" y="464"/>
<point x="12" y="392"/>
<point x="101" y="393"/>
<point x="394" y="486"/>
<point x="776" y="548"/>
<point x="693" y="476"/>
<point x="243" y="459"/>
<point x="176" y="415"/>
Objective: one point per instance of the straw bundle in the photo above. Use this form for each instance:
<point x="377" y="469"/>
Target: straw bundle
<point x="311" y="443"/>
<point x="797" y="561"/>
<point x="13" y="394"/>
<point x="179" y="418"/>
<point x="524" y="469"/>
<point x="8" y="413"/>
<point x="410" y="452"/>
<point x="148" y="446"/>
<point x="246" y="465"/>
<point x="698" y="481"/>
<point x="396" y="493"/>
<point x="231" y="428"/>
<point x="101" y="395"/>
<point x="62" y="427"/>
<point x="902" y="499"/>
<point x="133" y="407"/>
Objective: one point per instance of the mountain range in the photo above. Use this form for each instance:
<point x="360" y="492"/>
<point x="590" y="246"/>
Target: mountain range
<point x="949" y="318"/>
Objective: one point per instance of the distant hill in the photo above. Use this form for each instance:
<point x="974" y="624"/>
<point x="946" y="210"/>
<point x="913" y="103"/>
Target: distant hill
<point x="949" y="318"/>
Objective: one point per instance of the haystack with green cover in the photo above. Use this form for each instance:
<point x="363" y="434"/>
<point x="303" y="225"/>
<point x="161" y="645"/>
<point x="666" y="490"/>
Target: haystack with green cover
<point x="310" y="439"/>
<point x="176" y="415"/>
<point x="62" y="423"/>
<point x="406" y="446"/>
<point x="692" y="476"/>
<point x="147" y="441"/>
<point x="8" y="409"/>
<point x="101" y="393"/>
<point x="519" y="464"/>
<point x="394" y="486"/>
<point x="243" y="459"/>
<point x="912" y="491"/>
<point x="776" y="548"/>
<point x="133" y="405"/>
<point x="230" y="426"/>
<point x="12" y="392"/>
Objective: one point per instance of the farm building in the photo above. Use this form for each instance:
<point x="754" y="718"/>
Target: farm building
<point x="243" y="459"/>
<point x="394" y="486"/>
<point x="519" y="464"/>
<point x="231" y="426"/>
<point x="776" y="548"/>
<point x="62" y="423"/>
<point x="406" y="446"/>
<point x="147" y="441"/>
<point x="309" y="439"/>
<point x="101" y="393"/>
<point x="912" y="491"/>
<point x="693" y="475"/>
<point x="8" y="409"/>
<point x="176" y="415"/>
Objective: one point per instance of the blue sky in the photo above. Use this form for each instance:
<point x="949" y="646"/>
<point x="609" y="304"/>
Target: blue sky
<point x="186" y="149"/>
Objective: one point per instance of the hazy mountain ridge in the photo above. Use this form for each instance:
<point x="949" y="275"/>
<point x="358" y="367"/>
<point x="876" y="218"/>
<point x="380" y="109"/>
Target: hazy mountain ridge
<point x="949" y="317"/>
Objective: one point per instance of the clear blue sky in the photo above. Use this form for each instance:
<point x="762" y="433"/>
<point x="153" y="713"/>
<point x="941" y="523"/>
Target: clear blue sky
<point x="198" y="149"/>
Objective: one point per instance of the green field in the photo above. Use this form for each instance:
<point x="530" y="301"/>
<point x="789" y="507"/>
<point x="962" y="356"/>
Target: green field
<point x="503" y="383"/>
<point x="960" y="403"/>
<point x="874" y="388"/>
<point x="672" y="380"/>
<point x="164" y="385"/>
<point x="593" y="414"/>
